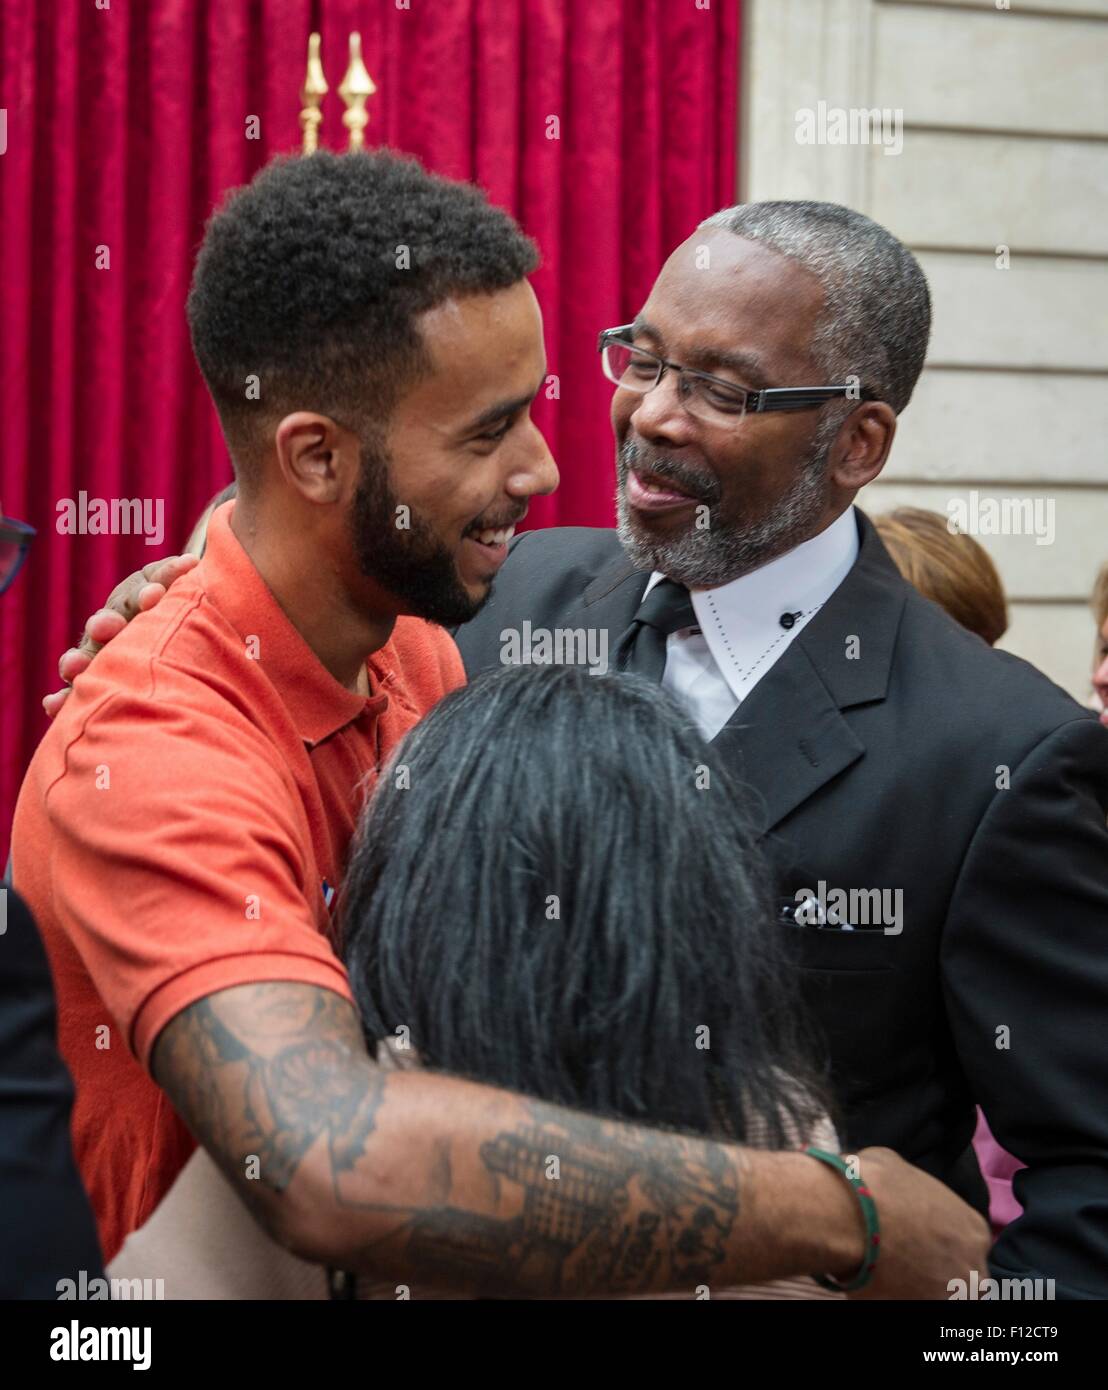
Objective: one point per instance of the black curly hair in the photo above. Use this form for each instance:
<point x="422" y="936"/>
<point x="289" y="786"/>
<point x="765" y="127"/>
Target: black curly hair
<point x="311" y="278"/>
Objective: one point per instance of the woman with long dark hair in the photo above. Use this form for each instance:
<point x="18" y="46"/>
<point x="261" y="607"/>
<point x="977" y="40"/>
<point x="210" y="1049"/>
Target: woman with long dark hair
<point x="555" y="889"/>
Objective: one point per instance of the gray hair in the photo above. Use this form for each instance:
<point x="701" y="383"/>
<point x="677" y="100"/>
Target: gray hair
<point x="877" y="317"/>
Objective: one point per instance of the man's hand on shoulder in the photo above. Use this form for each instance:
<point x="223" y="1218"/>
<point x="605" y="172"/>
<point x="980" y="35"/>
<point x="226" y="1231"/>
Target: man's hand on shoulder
<point x="139" y="592"/>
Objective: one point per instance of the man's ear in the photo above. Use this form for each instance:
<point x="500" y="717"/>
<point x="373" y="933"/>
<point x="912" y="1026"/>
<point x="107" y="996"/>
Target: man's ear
<point x="316" y="456"/>
<point x="863" y="445"/>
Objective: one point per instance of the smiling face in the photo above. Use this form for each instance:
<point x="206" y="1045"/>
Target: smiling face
<point x="706" y="503"/>
<point x="461" y="455"/>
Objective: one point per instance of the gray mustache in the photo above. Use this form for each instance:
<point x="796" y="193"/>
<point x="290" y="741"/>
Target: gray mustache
<point x="703" y="489"/>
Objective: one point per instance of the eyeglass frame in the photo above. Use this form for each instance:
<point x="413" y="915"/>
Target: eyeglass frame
<point x="769" y="398"/>
<point x="19" y="534"/>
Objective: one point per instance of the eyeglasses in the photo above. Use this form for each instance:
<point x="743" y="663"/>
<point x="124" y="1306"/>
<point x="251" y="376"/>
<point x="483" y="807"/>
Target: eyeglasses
<point x="708" y="398"/>
<point x="15" y="541"/>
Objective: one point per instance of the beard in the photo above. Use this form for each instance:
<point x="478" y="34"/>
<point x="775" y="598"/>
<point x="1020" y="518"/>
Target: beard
<point x="411" y="563"/>
<point x="722" y="551"/>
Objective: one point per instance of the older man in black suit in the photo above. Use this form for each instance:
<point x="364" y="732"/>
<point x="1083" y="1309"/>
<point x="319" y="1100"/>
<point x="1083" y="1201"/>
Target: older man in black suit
<point x="934" y="810"/>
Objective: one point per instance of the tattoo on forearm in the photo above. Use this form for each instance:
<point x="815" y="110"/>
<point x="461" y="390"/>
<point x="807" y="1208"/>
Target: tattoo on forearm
<point x="297" y="1080"/>
<point x="579" y="1231"/>
<point x="569" y="1204"/>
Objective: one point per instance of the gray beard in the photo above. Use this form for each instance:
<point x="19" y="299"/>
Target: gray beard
<point x="704" y="559"/>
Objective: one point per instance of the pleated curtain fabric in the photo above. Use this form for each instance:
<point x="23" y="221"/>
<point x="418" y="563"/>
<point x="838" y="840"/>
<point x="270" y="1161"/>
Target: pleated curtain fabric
<point x="607" y="128"/>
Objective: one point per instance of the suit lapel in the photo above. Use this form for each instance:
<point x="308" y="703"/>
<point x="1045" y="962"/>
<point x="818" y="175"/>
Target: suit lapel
<point x="615" y="573"/>
<point x="789" y="736"/>
<point x="613" y="597"/>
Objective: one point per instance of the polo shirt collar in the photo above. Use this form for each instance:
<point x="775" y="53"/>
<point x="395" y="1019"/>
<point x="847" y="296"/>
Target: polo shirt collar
<point x="318" y="704"/>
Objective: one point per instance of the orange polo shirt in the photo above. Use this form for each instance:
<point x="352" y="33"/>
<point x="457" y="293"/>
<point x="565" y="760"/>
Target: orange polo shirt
<point x="179" y="829"/>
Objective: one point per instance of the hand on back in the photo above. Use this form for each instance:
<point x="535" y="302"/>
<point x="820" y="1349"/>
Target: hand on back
<point x="929" y="1235"/>
<point x="138" y="593"/>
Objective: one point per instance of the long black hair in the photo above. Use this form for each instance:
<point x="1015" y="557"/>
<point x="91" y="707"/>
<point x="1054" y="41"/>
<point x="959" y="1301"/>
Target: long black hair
<point x="556" y="889"/>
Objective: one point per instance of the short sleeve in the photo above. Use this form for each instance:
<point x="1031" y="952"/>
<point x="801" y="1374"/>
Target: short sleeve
<point x="181" y="859"/>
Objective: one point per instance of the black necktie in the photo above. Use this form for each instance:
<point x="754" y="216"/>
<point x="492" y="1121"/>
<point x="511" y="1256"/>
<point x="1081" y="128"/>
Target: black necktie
<point x="642" y="648"/>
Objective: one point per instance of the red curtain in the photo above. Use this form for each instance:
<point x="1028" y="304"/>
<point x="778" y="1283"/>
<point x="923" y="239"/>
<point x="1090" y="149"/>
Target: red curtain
<point x="126" y="123"/>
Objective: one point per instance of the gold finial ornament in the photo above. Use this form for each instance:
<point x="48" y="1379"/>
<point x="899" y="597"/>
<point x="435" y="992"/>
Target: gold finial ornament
<point x="357" y="87"/>
<point x="311" y="96"/>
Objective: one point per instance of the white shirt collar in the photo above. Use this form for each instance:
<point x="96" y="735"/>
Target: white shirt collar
<point x="741" y="621"/>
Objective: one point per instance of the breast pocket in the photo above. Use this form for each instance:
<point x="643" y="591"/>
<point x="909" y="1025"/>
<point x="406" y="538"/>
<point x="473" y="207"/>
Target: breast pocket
<point x="836" y="946"/>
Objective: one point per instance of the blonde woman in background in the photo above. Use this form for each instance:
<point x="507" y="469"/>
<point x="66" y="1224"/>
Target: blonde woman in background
<point x="948" y="567"/>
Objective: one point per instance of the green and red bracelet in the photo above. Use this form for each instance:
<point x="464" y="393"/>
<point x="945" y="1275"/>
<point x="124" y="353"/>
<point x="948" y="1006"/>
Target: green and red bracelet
<point x="869" y="1216"/>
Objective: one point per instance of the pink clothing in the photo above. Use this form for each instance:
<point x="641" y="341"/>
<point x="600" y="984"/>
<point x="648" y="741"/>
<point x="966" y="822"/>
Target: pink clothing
<point x="997" y="1167"/>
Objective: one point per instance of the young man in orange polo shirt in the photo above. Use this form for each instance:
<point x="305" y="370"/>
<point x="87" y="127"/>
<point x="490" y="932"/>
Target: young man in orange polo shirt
<point x="372" y="346"/>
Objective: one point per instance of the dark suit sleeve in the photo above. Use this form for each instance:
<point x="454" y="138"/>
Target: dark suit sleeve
<point x="48" y="1228"/>
<point x="1025" y="971"/>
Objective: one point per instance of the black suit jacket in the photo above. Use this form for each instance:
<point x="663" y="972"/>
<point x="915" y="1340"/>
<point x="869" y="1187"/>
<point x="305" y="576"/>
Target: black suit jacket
<point x="47" y="1232"/>
<point x="888" y="748"/>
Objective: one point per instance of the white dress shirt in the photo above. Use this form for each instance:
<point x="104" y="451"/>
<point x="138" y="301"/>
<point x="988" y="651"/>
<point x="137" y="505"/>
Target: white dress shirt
<point x="711" y="671"/>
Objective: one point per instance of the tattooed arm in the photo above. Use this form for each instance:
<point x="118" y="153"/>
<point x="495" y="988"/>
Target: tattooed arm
<point x="425" y="1179"/>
